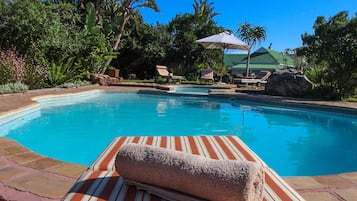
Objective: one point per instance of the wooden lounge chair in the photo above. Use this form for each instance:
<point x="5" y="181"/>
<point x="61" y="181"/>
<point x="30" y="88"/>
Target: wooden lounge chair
<point x="164" y="73"/>
<point x="260" y="78"/>
<point x="207" y="75"/>
<point x="101" y="181"/>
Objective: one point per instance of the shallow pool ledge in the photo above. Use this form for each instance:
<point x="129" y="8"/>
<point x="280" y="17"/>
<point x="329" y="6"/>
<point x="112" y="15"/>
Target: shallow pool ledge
<point x="50" y="99"/>
<point x="6" y="117"/>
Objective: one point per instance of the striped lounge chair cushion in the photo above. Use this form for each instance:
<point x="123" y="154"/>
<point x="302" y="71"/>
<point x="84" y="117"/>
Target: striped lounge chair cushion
<point x="102" y="182"/>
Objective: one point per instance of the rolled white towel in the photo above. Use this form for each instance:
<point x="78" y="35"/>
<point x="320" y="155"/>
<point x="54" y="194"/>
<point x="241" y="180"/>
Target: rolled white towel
<point x="210" y="179"/>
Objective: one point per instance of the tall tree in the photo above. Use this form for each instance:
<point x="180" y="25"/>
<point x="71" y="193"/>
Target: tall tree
<point x="127" y="9"/>
<point x="333" y="47"/>
<point x="251" y="34"/>
<point x="144" y="46"/>
<point x="185" y="54"/>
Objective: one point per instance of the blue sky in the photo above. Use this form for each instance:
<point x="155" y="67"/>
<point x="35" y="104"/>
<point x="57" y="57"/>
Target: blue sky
<point x="284" y="20"/>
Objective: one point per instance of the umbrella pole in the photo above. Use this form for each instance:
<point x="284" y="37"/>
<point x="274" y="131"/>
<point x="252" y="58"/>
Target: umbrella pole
<point x="221" y="75"/>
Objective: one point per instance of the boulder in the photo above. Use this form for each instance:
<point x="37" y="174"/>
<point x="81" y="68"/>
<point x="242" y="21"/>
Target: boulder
<point x="104" y="80"/>
<point x="290" y="83"/>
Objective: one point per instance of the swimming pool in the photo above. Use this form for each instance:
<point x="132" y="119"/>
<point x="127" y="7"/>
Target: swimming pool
<point x="292" y="141"/>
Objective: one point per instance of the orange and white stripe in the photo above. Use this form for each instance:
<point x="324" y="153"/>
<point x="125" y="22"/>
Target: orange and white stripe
<point x="102" y="182"/>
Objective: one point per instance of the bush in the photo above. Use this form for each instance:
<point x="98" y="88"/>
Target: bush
<point x="13" y="88"/>
<point x="6" y="74"/>
<point x="352" y="99"/>
<point x="17" y="68"/>
<point x="12" y="67"/>
<point x="316" y="74"/>
<point x="35" y="76"/>
<point x="325" y="92"/>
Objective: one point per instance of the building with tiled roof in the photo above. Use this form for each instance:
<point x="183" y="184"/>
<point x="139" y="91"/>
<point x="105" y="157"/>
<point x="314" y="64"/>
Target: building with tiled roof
<point x="233" y="59"/>
<point x="261" y="59"/>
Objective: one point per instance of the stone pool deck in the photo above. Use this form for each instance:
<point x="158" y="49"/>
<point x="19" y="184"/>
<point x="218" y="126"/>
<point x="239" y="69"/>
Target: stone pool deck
<point x="25" y="175"/>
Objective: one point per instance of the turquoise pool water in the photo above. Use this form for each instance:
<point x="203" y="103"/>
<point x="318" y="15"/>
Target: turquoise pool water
<point x="291" y="141"/>
<point x="203" y="90"/>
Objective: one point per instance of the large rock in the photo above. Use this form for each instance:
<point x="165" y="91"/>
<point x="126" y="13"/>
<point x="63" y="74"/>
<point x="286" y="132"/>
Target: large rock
<point x="288" y="83"/>
<point x="104" y="80"/>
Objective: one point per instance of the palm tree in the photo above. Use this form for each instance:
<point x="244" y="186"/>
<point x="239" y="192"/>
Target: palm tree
<point x="204" y="10"/>
<point x="251" y="34"/>
<point x="127" y="9"/>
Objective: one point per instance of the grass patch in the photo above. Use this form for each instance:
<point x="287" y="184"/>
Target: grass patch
<point x="352" y="98"/>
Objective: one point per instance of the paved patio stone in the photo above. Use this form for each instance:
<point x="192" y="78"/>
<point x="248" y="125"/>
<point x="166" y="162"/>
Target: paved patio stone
<point x="318" y="196"/>
<point x="350" y="176"/>
<point x="10" y="172"/>
<point x="2" y="164"/>
<point x="68" y="170"/>
<point x="42" y="184"/>
<point x="333" y="180"/>
<point x="4" y="141"/>
<point x="25" y="157"/>
<point x="43" y="163"/>
<point x="303" y="183"/>
<point x="348" y="194"/>
<point x="11" y="150"/>
<point x="4" y="145"/>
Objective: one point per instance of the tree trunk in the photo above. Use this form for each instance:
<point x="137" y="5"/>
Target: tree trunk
<point x="247" y="66"/>
<point x="116" y="44"/>
<point x="221" y="74"/>
<point x="222" y="67"/>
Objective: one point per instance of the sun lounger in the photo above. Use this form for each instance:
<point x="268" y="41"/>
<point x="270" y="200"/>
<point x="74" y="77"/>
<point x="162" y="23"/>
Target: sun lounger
<point x="164" y="73"/>
<point x="102" y="182"/>
<point x="207" y="74"/>
<point x="260" y="78"/>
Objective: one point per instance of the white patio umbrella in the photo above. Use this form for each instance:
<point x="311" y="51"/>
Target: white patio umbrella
<point x="223" y="41"/>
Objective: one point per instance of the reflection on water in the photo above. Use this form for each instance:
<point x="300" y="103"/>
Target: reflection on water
<point x="161" y="108"/>
<point x="331" y="148"/>
<point x="291" y="141"/>
<point x="299" y="142"/>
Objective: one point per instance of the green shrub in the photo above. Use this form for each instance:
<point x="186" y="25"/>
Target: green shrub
<point x="351" y="99"/>
<point x="13" y="88"/>
<point x="61" y="72"/>
<point x="316" y="74"/>
<point x="35" y="76"/>
<point x="325" y="92"/>
<point x="67" y="71"/>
